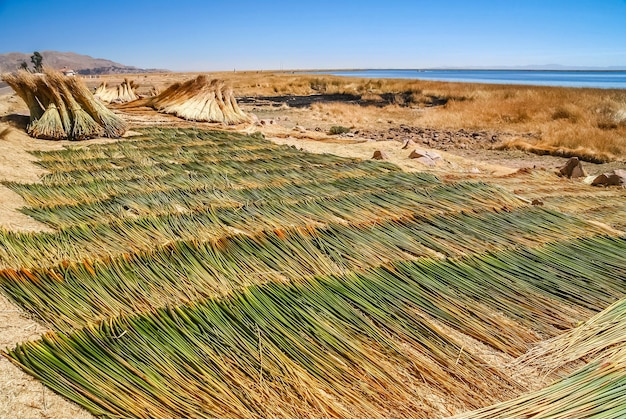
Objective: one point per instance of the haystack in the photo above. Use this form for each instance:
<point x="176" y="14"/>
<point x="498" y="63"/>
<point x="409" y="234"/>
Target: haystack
<point x="125" y="92"/>
<point x="62" y="108"/>
<point x="200" y="99"/>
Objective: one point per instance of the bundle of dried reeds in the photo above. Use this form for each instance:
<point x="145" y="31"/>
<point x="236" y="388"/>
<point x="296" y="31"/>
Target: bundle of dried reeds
<point x="62" y="108"/>
<point x="125" y="92"/>
<point x="200" y="99"/>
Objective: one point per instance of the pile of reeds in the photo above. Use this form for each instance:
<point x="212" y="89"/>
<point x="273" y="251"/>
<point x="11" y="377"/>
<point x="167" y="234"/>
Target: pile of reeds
<point x="125" y="92"/>
<point x="590" y="341"/>
<point x="354" y="339"/>
<point x="200" y="99"/>
<point x="62" y="108"/>
<point x="192" y="275"/>
<point x="597" y="390"/>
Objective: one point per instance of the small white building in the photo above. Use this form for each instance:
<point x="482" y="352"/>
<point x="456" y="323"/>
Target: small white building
<point x="68" y="72"/>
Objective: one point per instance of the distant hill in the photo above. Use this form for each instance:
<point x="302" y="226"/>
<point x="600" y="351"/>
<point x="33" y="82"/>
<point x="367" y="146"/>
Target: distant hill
<point x="82" y="64"/>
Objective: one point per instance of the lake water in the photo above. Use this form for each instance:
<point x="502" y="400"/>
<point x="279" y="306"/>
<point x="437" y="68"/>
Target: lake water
<point x="600" y="79"/>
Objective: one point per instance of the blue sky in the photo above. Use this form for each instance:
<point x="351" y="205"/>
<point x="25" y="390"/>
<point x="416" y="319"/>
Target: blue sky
<point x="240" y="34"/>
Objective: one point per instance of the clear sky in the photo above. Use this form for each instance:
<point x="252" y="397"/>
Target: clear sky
<point x="240" y="34"/>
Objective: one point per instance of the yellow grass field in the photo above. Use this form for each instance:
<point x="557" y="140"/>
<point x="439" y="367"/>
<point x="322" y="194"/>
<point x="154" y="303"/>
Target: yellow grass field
<point x="590" y="123"/>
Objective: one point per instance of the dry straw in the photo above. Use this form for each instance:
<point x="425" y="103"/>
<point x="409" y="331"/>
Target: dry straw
<point x="62" y="108"/>
<point x="200" y="99"/>
<point x="125" y="92"/>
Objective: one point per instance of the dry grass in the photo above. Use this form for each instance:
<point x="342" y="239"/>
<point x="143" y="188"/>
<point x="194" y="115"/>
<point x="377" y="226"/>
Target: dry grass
<point x="590" y="123"/>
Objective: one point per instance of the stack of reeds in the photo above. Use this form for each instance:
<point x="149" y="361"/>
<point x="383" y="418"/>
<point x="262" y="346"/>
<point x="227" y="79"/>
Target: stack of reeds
<point x="593" y="340"/>
<point x="597" y="390"/>
<point x="200" y="99"/>
<point x="62" y="108"/>
<point x="125" y="92"/>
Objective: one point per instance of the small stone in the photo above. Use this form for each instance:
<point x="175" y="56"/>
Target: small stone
<point x="379" y="155"/>
<point x="572" y="169"/>
<point x="416" y="154"/>
<point x="407" y="143"/>
<point x="537" y="202"/>
<point x="615" y="178"/>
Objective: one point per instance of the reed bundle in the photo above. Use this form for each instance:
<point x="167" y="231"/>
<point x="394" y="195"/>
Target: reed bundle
<point x="200" y="99"/>
<point x="62" y="107"/>
<point x="123" y="93"/>
<point x="597" y="390"/>
<point x="592" y="340"/>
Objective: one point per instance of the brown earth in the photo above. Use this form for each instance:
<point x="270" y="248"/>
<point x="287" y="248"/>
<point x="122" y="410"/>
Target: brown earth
<point x="301" y="122"/>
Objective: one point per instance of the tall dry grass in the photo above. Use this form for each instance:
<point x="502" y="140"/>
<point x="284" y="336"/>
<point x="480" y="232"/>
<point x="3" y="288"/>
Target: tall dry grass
<point x="590" y="123"/>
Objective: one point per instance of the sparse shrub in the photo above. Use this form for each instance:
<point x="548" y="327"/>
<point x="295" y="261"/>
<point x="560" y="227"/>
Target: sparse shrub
<point x="518" y="117"/>
<point x="372" y="97"/>
<point x="338" y="129"/>
<point x="608" y="117"/>
<point x="319" y="85"/>
<point x="564" y="113"/>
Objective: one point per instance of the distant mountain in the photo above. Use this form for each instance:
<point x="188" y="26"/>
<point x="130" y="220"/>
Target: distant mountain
<point x="82" y="64"/>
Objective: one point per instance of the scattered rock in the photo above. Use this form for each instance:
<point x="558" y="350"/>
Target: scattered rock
<point x="474" y="170"/>
<point x="416" y="154"/>
<point x="299" y="128"/>
<point x="407" y="143"/>
<point x="572" y="169"/>
<point x="379" y="155"/>
<point x="537" y="202"/>
<point x="422" y="157"/>
<point x="615" y="178"/>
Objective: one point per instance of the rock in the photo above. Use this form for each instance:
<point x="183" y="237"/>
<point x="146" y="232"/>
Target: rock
<point x="426" y="160"/>
<point x="615" y="178"/>
<point x="416" y="154"/>
<point x="407" y="143"/>
<point x="379" y="155"/>
<point x="537" y="202"/>
<point x="299" y="128"/>
<point x="572" y="169"/>
<point x="474" y="170"/>
<point x="423" y="157"/>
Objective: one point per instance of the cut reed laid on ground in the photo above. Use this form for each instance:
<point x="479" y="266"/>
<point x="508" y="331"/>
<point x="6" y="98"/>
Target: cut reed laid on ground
<point x="206" y="274"/>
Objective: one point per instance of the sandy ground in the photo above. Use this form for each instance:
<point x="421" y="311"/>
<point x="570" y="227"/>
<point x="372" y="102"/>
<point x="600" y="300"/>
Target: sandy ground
<point x="23" y="397"/>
